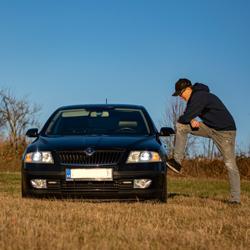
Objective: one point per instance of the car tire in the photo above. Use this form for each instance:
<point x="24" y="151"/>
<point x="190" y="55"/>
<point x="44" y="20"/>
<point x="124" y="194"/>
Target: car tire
<point x="24" y="189"/>
<point x="163" y="196"/>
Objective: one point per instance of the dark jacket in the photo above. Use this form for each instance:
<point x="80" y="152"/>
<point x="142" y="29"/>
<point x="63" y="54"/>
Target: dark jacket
<point x="209" y="108"/>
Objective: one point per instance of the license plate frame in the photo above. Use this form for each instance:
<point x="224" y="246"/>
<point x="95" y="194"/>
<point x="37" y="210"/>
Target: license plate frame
<point x="89" y="174"/>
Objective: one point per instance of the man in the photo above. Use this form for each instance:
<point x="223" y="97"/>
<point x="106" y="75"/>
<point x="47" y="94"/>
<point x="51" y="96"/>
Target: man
<point x="216" y="123"/>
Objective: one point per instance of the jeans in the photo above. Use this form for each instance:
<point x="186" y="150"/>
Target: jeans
<point x="225" y="142"/>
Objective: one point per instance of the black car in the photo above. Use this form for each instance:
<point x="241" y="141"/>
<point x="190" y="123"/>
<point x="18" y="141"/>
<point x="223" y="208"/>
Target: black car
<point x="97" y="151"/>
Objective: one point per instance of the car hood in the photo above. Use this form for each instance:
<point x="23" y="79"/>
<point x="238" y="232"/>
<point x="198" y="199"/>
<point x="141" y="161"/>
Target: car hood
<point x="96" y="142"/>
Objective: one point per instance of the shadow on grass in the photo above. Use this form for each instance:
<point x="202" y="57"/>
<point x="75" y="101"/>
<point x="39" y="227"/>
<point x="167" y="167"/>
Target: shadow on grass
<point x="173" y="195"/>
<point x="79" y="199"/>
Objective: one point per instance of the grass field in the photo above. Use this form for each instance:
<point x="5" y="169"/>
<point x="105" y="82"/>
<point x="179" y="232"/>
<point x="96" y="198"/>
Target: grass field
<point x="195" y="217"/>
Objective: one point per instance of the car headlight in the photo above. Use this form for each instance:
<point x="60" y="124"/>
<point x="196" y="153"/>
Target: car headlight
<point x="143" y="157"/>
<point x="39" y="157"/>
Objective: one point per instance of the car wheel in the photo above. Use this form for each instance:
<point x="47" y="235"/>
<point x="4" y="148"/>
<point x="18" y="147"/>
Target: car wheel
<point x="163" y="196"/>
<point x="24" y="189"/>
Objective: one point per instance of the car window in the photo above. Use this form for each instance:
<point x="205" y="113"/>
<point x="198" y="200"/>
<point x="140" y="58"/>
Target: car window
<point x="98" y="122"/>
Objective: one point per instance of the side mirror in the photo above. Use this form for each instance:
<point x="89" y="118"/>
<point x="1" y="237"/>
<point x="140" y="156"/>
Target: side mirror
<point x="166" y="131"/>
<point x="33" y="132"/>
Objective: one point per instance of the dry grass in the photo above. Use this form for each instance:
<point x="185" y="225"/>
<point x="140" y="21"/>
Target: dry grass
<point x="214" y="168"/>
<point x="195" y="217"/>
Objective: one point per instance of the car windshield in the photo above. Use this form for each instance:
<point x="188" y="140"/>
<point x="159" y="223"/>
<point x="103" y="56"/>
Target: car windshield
<point x="116" y="121"/>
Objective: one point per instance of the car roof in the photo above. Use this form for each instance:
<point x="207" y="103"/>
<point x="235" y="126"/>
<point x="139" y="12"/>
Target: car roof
<point x="101" y="106"/>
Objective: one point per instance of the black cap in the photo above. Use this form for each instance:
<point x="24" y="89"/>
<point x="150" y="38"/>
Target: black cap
<point x="180" y="85"/>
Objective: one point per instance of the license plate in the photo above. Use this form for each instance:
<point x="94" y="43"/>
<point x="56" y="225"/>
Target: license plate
<point x="90" y="174"/>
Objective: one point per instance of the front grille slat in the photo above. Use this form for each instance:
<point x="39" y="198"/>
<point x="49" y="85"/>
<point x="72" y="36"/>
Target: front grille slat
<point x="113" y="157"/>
<point x="117" y="157"/>
<point x="104" y="158"/>
<point x="98" y="158"/>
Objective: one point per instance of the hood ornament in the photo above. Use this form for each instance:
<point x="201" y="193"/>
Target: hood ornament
<point x="89" y="151"/>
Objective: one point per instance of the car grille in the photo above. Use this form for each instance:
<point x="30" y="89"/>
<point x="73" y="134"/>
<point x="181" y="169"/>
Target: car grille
<point x="82" y="186"/>
<point x="98" y="158"/>
<point x="85" y="186"/>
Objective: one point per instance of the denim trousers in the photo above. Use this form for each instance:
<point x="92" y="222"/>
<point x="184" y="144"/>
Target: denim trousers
<point x="225" y="142"/>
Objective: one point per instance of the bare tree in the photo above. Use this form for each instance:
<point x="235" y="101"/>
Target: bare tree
<point x="171" y="116"/>
<point x="209" y="149"/>
<point x="16" y="115"/>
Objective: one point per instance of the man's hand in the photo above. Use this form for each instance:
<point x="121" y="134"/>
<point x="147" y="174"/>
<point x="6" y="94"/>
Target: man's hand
<point x="195" y="124"/>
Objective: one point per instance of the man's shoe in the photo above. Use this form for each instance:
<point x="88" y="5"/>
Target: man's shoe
<point x="174" y="165"/>
<point x="232" y="202"/>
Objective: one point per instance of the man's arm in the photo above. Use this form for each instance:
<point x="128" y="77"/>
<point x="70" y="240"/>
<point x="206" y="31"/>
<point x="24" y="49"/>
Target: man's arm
<point x="194" y="108"/>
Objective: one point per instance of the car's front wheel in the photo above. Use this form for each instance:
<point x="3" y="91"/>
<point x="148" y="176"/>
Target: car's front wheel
<point x="24" y="192"/>
<point x="163" y="197"/>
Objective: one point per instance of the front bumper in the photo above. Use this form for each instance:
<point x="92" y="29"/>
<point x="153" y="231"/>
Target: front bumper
<point x="121" y="187"/>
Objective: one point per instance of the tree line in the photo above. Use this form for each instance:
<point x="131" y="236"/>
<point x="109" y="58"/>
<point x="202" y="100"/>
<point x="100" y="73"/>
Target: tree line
<point x="16" y="115"/>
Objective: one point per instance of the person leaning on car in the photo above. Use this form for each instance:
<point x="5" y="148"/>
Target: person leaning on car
<point x="216" y="123"/>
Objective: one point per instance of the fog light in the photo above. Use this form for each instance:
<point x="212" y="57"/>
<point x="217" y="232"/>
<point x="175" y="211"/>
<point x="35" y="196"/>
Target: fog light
<point x="142" y="183"/>
<point x="38" y="183"/>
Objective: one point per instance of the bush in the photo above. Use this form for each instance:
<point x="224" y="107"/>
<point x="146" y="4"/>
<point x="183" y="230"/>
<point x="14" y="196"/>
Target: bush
<point x="214" y="168"/>
<point x="10" y="159"/>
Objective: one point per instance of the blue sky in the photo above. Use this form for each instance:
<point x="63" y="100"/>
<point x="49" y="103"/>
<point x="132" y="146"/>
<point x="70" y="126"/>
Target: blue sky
<point x="130" y="51"/>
